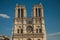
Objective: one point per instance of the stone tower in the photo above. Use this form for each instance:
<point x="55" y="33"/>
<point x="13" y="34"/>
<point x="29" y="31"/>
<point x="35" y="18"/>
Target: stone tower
<point x="29" y="28"/>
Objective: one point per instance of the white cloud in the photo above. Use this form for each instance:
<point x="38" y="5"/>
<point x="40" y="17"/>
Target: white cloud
<point x="54" y="34"/>
<point x="4" y="16"/>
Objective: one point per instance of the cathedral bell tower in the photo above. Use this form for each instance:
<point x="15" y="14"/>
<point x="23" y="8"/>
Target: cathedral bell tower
<point x="29" y="28"/>
<point x="19" y="22"/>
<point x="38" y="21"/>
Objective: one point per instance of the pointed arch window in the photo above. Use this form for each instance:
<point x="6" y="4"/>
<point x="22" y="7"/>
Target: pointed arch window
<point x="22" y="11"/>
<point x="36" y="11"/>
<point x="21" y="30"/>
<point x="36" y="30"/>
<point x="40" y="30"/>
<point x="18" y="12"/>
<point x="39" y="12"/>
<point x="17" y="30"/>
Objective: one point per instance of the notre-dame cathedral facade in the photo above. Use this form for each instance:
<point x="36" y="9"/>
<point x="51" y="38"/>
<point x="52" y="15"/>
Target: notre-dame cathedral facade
<point x="29" y="28"/>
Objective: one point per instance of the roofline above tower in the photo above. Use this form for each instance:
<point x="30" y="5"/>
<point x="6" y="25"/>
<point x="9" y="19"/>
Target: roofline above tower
<point x="40" y="5"/>
<point x="17" y="5"/>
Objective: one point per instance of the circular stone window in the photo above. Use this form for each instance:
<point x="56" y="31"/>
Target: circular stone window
<point x="29" y="29"/>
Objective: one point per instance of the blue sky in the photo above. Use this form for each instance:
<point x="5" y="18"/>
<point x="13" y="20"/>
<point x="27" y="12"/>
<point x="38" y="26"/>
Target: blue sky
<point x="51" y="15"/>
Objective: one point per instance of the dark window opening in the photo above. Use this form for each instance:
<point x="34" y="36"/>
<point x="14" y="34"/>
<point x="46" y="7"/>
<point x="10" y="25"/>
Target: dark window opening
<point x="18" y="31"/>
<point x="19" y="26"/>
<point x="29" y="39"/>
<point x="40" y="30"/>
<point x="21" y="30"/>
<point x="22" y="11"/>
<point x="38" y="39"/>
<point x="36" y="12"/>
<point x="18" y="13"/>
<point x="38" y="26"/>
<point x="39" y="11"/>
<point x="36" y="30"/>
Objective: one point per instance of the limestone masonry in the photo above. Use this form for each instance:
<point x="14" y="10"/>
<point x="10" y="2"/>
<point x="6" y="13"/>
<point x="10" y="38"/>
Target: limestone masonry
<point x="29" y="28"/>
